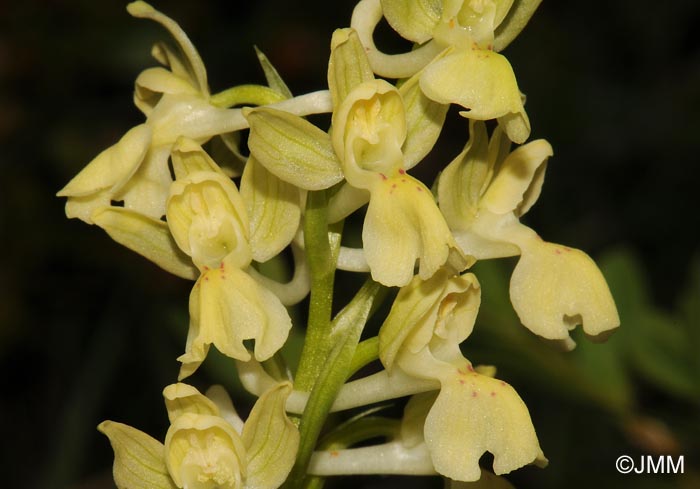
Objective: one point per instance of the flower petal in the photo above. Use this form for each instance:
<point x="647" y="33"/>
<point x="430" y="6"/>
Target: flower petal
<point x="443" y="305"/>
<point x="208" y="220"/>
<point x="414" y="20"/>
<point x="227" y="307"/>
<point x="196" y="70"/>
<point x="553" y="288"/>
<point x="271" y="440"/>
<point x="474" y="414"/>
<point x="481" y="81"/>
<point x="424" y="121"/>
<point x="519" y="180"/>
<point x="147" y="190"/>
<point x="369" y="128"/>
<point x="146" y="236"/>
<point x="106" y="174"/>
<point x="404" y="207"/>
<point x="204" y="451"/>
<point x="139" y="460"/>
<point x="183" y="398"/>
<point x="293" y="149"/>
<point x="274" y="210"/>
<point x="348" y="65"/>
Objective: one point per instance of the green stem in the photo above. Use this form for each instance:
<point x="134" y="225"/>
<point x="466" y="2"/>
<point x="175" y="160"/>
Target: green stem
<point x="246" y="95"/>
<point x="322" y="246"/>
<point x="367" y="351"/>
<point x="345" y="335"/>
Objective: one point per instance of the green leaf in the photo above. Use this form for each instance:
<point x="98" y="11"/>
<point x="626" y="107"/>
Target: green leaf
<point x="656" y="343"/>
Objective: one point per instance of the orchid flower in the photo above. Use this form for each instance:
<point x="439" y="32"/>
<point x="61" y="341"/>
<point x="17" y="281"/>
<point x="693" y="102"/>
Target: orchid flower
<point x="483" y="194"/>
<point x="468" y="73"/>
<point x="175" y="100"/>
<point x="472" y="412"/>
<point x="366" y="149"/>
<point x="207" y="444"/>
<point x="209" y="222"/>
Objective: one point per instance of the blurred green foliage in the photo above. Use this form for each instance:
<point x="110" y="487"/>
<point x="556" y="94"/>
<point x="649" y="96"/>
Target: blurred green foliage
<point x="89" y="331"/>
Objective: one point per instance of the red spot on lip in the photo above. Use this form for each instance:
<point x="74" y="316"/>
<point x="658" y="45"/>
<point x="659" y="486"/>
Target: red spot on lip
<point x="383" y="176"/>
<point x="493" y="394"/>
<point x="461" y="381"/>
<point x="402" y="171"/>
<point x="475" y="394"/>
<point x="221" y="267"/>
<point x="419" y="189"/>
<point x="470" y="368"/>
<point x="503" y="384"/>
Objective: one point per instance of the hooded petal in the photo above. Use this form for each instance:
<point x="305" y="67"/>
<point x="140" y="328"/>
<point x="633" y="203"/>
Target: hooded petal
<point x="204" y="451"/>
<point x="208" y="220"/>
<point x="147" y="190"/>
<point x="443" y="305"/>
<point x="518" y="183"/>
<point x="369" y="128"/>
<point x="424" y="121"/>
<point x="183" y="398"/>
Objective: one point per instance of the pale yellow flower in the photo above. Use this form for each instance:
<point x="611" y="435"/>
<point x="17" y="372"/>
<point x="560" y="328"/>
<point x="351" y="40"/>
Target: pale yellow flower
<point x="482" y="194"/>
<point x="176" y="102"/>
<point x="456" y="55"/>
<point x="207" y="445"/>
<point x="401" y="225"/>
<point x="472" y="413"/>
<point x="209" y="222"/>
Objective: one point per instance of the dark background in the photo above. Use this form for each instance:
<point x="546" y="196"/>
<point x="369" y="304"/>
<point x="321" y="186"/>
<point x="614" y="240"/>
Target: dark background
<point x="89" y="331"/>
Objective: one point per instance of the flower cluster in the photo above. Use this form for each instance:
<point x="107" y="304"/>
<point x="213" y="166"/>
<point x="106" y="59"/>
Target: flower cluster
<point x="158" y="192"/>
